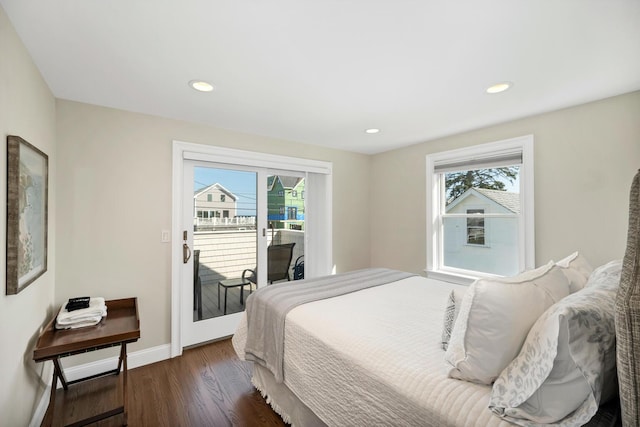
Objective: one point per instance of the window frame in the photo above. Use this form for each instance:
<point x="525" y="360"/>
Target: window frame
<point x="435" y="200"/>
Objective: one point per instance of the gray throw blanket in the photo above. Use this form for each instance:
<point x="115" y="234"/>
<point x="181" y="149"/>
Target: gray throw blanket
<point x="268" y="307"/>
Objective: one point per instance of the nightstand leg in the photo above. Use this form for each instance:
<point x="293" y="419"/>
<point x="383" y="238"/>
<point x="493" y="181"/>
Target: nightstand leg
<point x="57" y="370"/>
<point x="123" y="358"/>
<point x="225" y="300"/>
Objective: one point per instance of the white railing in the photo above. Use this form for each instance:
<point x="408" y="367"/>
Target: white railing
<point x="235" y="221"/>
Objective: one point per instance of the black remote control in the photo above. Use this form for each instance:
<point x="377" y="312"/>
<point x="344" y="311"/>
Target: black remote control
<point x="77" y="303"/>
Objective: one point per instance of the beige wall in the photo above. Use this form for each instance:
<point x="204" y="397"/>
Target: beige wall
<point x="114" y="196"/>
<point x="27" y="109"/>
<point x="110" y="195"/>
<point x="585" y="158"/>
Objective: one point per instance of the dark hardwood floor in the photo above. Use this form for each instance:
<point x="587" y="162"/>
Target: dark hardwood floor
<point x="206" y="386"/>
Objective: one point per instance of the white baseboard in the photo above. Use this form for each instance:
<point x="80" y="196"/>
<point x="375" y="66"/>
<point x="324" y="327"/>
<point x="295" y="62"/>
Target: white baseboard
<point x="41" y="410"/>
<point x="134" y="360"/>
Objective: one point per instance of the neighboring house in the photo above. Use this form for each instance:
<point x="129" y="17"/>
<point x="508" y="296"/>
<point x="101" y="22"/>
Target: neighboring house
<point x="285" y="202"/>
<point x="490" y="243"/>
<point x="214" y="201"/>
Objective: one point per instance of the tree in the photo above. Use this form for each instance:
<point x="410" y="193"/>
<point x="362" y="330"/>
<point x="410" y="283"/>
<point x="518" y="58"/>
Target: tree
<point x="457" y="183"/>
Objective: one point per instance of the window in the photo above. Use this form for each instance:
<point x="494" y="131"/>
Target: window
<point x="294" y="193"/>
<point x="281" y="193"/>
<point x="225" y="214"/>
<point x="222" y="197"/>
<point x="480" y="211"/>
<point x="475" y="227"/>
<point x="209" y="197"/>
<point x="292" y="213"/>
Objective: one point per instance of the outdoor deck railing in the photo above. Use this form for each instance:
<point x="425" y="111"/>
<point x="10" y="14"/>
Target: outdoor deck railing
<point x="235" y="221"/>
<point x="225" y="254"/>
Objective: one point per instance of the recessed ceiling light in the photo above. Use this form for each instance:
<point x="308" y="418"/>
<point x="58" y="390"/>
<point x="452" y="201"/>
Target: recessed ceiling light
<point x="201" y="86"/>
<point x="372" y="130"/>
<point x="499" y="87"/>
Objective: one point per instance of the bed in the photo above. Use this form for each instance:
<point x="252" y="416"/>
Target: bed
<point x="374" y="356"/>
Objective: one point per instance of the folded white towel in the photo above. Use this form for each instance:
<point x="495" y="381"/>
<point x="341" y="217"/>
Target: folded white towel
<point x="85" y="316"/>
<point x="87" y="322"/>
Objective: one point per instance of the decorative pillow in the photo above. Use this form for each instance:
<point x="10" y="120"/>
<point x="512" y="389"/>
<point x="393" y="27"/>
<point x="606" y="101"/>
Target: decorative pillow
<point x="577" y="270"/>
<point x="451" y="314"/>
<point x="495" y="317"/>
<point x="566" y="368"/>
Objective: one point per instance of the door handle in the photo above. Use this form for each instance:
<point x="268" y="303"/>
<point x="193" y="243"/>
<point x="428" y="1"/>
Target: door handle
<point x="186" y="253"/>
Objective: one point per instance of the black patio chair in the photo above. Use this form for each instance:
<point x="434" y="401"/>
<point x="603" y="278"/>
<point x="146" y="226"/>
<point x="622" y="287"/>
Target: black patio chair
<point x="197" y="283"/>
<point x="278" y="263"/>
<point x="298" y="268"/>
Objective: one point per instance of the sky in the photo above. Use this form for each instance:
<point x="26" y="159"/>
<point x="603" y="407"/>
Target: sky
<point x="241" y="183"/>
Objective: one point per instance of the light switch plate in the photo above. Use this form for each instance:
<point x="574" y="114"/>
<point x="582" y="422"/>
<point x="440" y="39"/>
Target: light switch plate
<point x="165" y="236"/>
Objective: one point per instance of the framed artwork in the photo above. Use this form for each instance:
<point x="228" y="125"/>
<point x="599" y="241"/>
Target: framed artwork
<point x="27" y="200"/>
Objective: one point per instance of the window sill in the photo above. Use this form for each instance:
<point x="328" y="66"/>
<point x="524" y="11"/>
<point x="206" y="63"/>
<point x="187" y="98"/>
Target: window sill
<point x="459" y="277"/>
<point x="446" y="276"/>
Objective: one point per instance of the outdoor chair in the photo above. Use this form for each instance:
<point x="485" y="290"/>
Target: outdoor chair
<point x="278" y="263"/>
<point x="197" y="283"/>
<point x="298" y="268"/>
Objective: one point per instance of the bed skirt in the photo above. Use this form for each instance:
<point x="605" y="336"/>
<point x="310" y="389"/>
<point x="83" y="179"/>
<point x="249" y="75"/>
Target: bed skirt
<point x="282" y="400"/>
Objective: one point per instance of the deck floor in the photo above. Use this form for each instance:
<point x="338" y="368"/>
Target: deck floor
<point x="210" y="301"/>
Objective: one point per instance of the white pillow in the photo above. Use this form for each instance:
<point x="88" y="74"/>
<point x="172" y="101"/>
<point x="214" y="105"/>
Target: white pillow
<point x="451" y="314"/>
<point x="577" y="270"/>
<point x="494" y="319"/>
<point x="567" y="365"/>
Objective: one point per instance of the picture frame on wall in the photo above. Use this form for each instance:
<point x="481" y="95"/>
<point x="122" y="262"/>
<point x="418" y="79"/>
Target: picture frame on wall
<point x="27" y="213"/>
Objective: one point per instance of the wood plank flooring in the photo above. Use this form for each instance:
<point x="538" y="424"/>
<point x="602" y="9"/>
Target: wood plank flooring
<point x="206" y="386"/>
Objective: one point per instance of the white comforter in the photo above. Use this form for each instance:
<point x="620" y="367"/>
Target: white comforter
<point x="373" y="357"/>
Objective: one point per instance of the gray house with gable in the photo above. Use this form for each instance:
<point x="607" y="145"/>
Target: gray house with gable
<point x="475" y="240"/>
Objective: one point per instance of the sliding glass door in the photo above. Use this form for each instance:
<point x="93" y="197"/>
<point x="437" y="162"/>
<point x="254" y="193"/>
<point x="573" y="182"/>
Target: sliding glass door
<point x="225" y="239"/>
<point x="241" y="220"/>
<point x="244" y="228"/>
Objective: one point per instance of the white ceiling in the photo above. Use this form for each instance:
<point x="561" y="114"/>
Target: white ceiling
<point x="323" y="71"/>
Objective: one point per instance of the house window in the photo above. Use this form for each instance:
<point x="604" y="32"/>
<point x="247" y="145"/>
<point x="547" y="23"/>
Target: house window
<point x="302" y="195"/>
<point x="209" y="197"/>
<point x="475" y="227"/>
<point x="294" y="193"/>
<point x="292" y="213"/>
<point x="281" y="193"/>
<point x="480" y="211"/>
<point x="222" y="197"/>
<point x="225" y="214"/>
<point x="199" y="214"/>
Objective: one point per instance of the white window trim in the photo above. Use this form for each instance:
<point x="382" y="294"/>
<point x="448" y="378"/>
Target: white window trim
<point x="523" y="144"/>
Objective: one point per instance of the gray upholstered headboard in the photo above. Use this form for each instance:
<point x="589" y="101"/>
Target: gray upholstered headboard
<point x="628" y="316"/>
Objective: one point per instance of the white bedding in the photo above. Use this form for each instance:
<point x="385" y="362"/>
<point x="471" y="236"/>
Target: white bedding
<point x="374" y="357"/>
